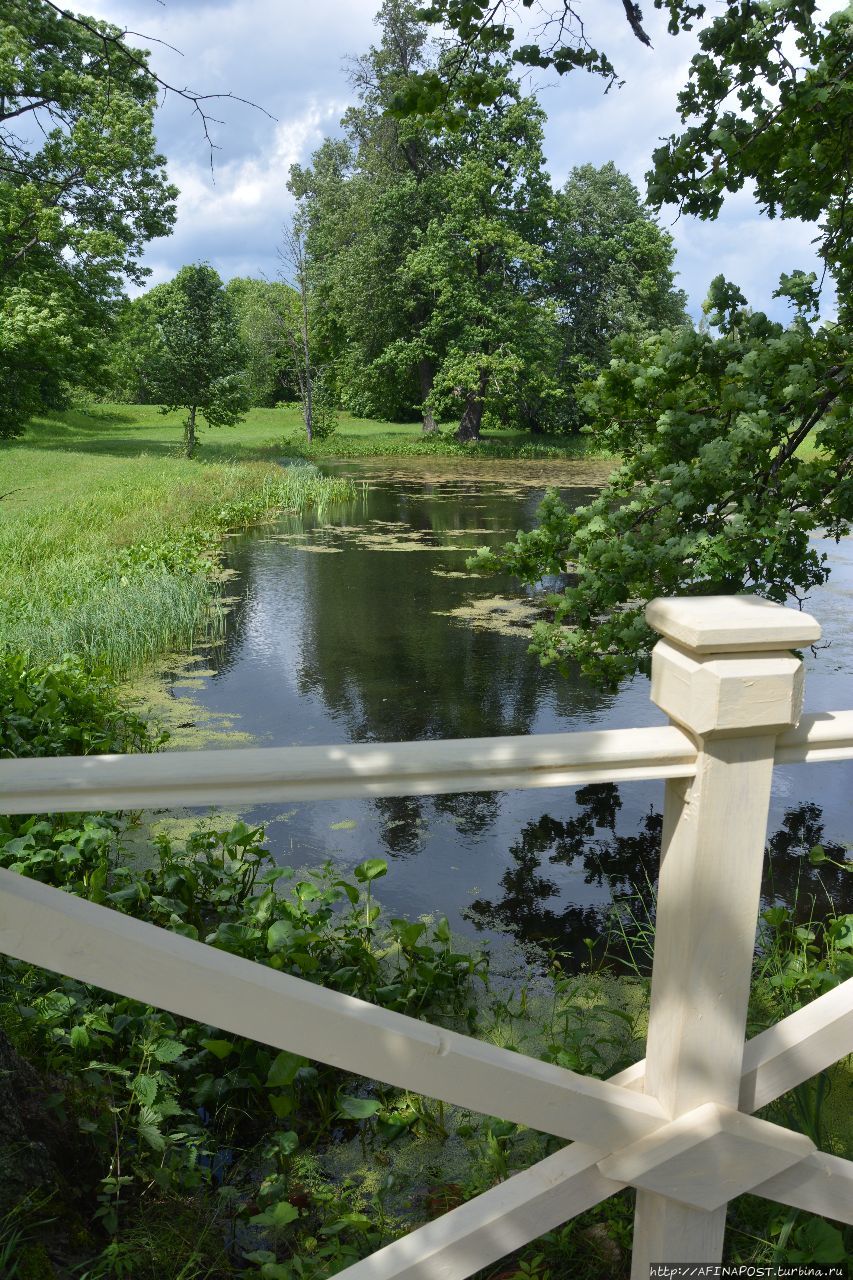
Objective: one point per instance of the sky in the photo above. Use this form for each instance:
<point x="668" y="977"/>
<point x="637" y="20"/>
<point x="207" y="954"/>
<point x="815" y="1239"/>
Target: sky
<point x="290" y="56"/>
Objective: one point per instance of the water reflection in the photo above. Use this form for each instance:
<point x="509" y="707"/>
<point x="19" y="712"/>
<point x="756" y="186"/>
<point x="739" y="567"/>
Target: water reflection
<point x="343" y="630"/>
<point x="627" y="865"/>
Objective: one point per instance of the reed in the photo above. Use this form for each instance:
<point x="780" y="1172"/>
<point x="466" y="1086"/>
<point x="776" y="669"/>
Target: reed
<point x="116" y="559"/>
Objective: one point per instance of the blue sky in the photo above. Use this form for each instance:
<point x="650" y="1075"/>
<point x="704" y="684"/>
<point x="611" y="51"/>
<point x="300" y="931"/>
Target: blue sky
<point x="289" y="56"/>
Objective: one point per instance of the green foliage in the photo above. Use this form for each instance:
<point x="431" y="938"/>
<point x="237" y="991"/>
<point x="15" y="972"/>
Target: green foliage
<point x="610" y="272"/>
<point x="266" y="312"/>
<point x="60" y="708"/>
<point x="770" y="117"/>
<point x="82" y="189"/>
<point x="183" y="345"/>
<point x="195" y="358"/>
<point x="119" y="562"/>
<point x="324" y="405"/>
<point x="367" y="199"/>
<point x="714" y="494"/>
<point x="482" y="31"/>
<point x="480" y="259"/>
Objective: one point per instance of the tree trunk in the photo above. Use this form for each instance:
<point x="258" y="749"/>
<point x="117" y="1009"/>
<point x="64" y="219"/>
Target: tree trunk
<point x="189" y="432"/>
<point x="472" y="414"/>
<point x="426" y="373"/>
<point x="308" y="406"/>
<point x="307" y="378"/>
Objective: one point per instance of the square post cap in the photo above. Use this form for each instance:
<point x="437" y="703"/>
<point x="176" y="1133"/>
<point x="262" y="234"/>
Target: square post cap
<point x="730" y="624"/>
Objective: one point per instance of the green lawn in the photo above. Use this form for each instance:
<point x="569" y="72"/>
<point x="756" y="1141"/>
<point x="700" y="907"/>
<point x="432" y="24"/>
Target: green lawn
<point x="127" y="430"/>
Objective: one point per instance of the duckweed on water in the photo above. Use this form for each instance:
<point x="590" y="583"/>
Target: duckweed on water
<point x="506" y="615"/>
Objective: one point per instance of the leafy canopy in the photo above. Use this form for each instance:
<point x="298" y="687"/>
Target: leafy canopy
<point x="196" y="358"/>
<point x="715" y="492"/>
<point x="82" y="189"/>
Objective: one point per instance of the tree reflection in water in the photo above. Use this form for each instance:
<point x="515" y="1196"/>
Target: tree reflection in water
<point x="628" y="866"/>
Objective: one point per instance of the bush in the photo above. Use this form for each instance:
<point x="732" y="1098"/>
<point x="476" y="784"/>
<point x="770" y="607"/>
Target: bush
<point x="60" y="708"/>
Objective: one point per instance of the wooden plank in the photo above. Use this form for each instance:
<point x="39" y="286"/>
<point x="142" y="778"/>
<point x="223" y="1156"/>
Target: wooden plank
<point x="827" y="735"/>
<point x="797" y="1048"/>
<point x="730" y="624"/>
<point x="708" y="1156"/>
<point x="788" y="1053"/>
<point x="708" y="897"/>
<point x="55" y="930"/>
<point x="495" y="1223"/>
<point x="736" y="703"/>
<point x="262" y="775"/>
<point x="822" y="1184"/>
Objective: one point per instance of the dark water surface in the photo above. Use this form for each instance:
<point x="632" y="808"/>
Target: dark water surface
<point x="340" y="634"/>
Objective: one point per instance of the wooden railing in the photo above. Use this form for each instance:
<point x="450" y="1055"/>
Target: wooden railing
<point x="678" y="1126"/>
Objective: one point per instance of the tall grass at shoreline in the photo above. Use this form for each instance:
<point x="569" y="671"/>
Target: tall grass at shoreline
<point x="115" y="559"/>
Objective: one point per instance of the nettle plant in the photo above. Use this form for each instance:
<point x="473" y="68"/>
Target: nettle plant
<point x="171" y="1106"/>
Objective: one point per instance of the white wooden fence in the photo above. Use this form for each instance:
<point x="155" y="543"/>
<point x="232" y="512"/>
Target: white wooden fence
<point x="678" y="1126"/>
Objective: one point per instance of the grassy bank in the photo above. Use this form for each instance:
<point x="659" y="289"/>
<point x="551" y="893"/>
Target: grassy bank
<point x="359" y="439"/>
<point x="125" y="430"/>
<point x="110" y="546"/>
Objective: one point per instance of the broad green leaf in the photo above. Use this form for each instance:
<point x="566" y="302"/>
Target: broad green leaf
<point x="79" y="1037"/>
<point x="372" y="869"/>
<point x="279" y="935"/>
<point x="219" y="1048"/>
<point x="152" y="1135"/>
<point x="283" y="1069"/>
<point x="169" y="1050"/>
<point x="286" y="1142"/>
<point x="277" y="1216"/>
<point x="145" y="1088"/>
<point x="282" y="1104"/>
<point x="358" y="1108"/>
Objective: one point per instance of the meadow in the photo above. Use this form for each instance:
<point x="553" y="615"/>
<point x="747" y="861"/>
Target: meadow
<point x="110" y="539"/>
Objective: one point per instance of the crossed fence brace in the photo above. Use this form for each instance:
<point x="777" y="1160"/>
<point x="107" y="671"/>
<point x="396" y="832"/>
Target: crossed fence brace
<point x="679" y="1126"/>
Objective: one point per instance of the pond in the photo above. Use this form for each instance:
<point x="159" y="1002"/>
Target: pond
<point x="364" y="626"/>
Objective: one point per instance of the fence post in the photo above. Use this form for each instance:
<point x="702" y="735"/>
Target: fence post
<point x="724" y="672"/>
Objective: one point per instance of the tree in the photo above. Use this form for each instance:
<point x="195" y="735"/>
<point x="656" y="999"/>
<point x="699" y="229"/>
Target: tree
<point x="298" y="326"/>
<point x="610" y="272"/>
<point x="263" y="309"/>
<point x="367" y="198"/>
<point x="481" y="257"/>
<point x="734" y="446"/>
<point x="715" y="493"/>
<point x="197" y="360"/>
<point x="82" y="189"/>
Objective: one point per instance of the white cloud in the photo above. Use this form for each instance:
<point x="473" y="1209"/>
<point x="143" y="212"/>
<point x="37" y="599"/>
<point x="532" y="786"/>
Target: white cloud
<point x="289" y="57"/>
<point x="247" y="187"/>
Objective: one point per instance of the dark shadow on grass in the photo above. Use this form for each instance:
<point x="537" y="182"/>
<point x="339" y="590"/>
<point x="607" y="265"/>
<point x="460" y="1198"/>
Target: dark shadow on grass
<point x="91" y="433"/>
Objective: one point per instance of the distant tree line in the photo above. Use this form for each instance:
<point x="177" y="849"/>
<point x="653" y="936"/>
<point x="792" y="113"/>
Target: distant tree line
<point x="431" y="270"/>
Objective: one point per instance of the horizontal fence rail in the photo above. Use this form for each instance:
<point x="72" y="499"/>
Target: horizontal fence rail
<point x="271" y="775"/>
<point x="94" y="944"/>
